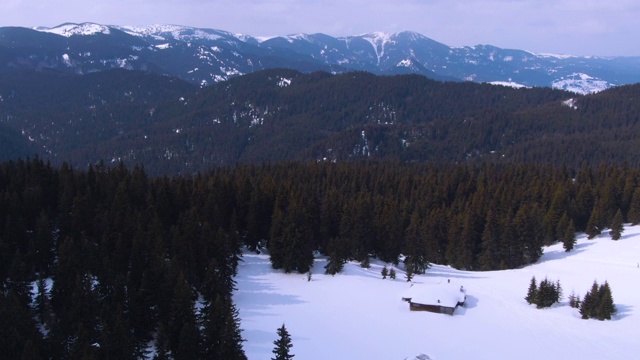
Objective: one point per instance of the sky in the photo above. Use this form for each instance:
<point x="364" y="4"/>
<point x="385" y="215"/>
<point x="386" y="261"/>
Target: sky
<point x="575" y="27"/>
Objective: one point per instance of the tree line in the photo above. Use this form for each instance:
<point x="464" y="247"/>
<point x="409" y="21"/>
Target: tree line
<point x="102" y="261"/>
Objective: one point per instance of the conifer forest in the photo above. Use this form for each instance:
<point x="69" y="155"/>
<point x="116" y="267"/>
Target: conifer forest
<point x="97" y="263"/>
<point x="127" y="199"/>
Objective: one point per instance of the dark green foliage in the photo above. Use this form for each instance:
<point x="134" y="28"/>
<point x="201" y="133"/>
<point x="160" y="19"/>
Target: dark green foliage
<point x="337" y="254"/>
<point x="283" y="345"/>
<point x="126" y="256"/>
<point x="415" y="248"/>
<point x="594" y="226"/>
<point x="392" y="274"/>
<point x="590" y="303"/>
<point x="545" y="294"/>
<point x="141" y="118"/>
<point x="634" y="208"/>
<point x="132" y="254"/>
<point x="292" y="241"/>
<point x="598" y="303"/>
<point x="616" y="226"/>
<point x="532" y="293"/>
<point x="17" y="327"/>
<point x="365" y="263"/>
<point x="384" y="272"/>
<point x="574" y="300"/>
<point x="607" y="308"/>
<point x="409" y="274"/>
<point x="569" y="238"/>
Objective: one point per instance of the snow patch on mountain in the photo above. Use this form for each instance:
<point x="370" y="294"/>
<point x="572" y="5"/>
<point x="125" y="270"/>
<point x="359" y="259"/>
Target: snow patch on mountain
<point x="556" y="56"/>
<point x="69" y="29"/>
<point x="512" y="84"/>
<point x="405" y="63"/>
<point x="175" y="32"/>
<point x="581" y="83"/>
<point x="66" y="59"/>
<point x="298" y="37"/>
<point x="152" y="29"/>
<point x="378" y="41"/>
<point x="571" y="103"/>
<point x="284" y="82"/>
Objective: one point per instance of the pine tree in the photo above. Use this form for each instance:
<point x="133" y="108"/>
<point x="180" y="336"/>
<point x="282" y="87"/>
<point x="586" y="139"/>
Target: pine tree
<point x="593" y="225"/>
<point x="283" y="345"/>
<point x="569" y="238"/>
<point x="392" y="274"/>
<point x="409" y="274"/>
<point x="366" y="262"/>
<point x="546" y="294"/>
<point x="606" y="308"/>
<point x="336" y="256"/>
<point x="616" y="226"/>
<point x="532" y="293"/>
<point x="590" y="303"/>
<point x="558" y="291"/>
<point x="489" y="256"/>
<point x="415" y="249"/>
<point x="633" y="214"/>
<point x="384" y="272"/>
<point x="573" y="300"/>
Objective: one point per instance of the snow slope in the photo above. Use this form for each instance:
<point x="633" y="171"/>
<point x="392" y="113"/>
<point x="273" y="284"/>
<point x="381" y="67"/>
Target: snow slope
<point x="357" y="315"/>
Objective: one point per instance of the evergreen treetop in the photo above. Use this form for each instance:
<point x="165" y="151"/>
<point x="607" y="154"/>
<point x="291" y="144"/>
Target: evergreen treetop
<point x="283" y="345"/>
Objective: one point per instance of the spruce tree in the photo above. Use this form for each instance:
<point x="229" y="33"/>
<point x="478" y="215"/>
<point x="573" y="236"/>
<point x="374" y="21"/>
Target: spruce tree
<point x="384" y="272"/>
<point x="606" y="307"/>
<point x="573" y="300"/>
<point x="633" y="215"/>
<point x="392" y="274"/>
<point x="532" y="293"/>
<point x="590" y="303"/>
<point x="366" y="262"/>
<point x="283" y="345"/>
<point x="336" y="256"/>
<point x="409" y="274"/>
<point x="616" y="226"/>
<point x="569" y="238"/>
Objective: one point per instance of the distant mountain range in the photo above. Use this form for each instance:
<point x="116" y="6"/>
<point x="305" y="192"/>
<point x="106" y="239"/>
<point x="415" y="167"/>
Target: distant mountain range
<point x="206" y="56"/>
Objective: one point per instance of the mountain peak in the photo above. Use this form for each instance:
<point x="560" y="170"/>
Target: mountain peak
<point x="175" y="32"/>
<point x="71" y="29"/>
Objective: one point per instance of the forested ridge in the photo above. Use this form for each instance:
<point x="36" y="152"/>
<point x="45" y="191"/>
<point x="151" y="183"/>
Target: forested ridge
<point x="121" y="237"/>
<point x="118" y="260"/>
<point x="282" y="115"/>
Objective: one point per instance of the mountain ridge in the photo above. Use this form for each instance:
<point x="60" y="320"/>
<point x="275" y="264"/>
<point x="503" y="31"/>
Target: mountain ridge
<point x="203" y="56"/>
<point x="172" y="126"/>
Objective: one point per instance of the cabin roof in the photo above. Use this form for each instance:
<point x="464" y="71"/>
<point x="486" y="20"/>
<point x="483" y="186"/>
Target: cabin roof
<point x="440" y="294"/>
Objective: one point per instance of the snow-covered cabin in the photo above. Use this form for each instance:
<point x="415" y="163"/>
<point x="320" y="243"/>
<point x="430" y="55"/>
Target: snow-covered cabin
<point x="442" y="297"/>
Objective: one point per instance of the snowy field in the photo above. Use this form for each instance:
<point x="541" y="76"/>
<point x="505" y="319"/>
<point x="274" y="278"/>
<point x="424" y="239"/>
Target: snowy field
<point x="357" y="315"/>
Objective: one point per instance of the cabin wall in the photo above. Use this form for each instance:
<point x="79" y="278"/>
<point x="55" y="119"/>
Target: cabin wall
<point x="431" y="308"/>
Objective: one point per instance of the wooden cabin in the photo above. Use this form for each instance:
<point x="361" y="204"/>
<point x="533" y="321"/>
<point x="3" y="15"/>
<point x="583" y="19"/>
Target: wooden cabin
<point x="441" y="298"/>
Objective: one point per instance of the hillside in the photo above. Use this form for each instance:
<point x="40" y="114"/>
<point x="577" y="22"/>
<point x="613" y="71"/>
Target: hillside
<point x="173" y="127"/>
<point x="357" y="315"/>
<point x="206" y="56"/>
<point x="150" y="264"/>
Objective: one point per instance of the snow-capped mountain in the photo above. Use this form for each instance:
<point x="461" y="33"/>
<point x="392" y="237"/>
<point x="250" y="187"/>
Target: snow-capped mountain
<point x="204" y="56"/>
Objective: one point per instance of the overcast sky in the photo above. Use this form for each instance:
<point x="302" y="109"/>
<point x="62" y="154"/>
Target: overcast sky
<point x="577" y="27"/>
